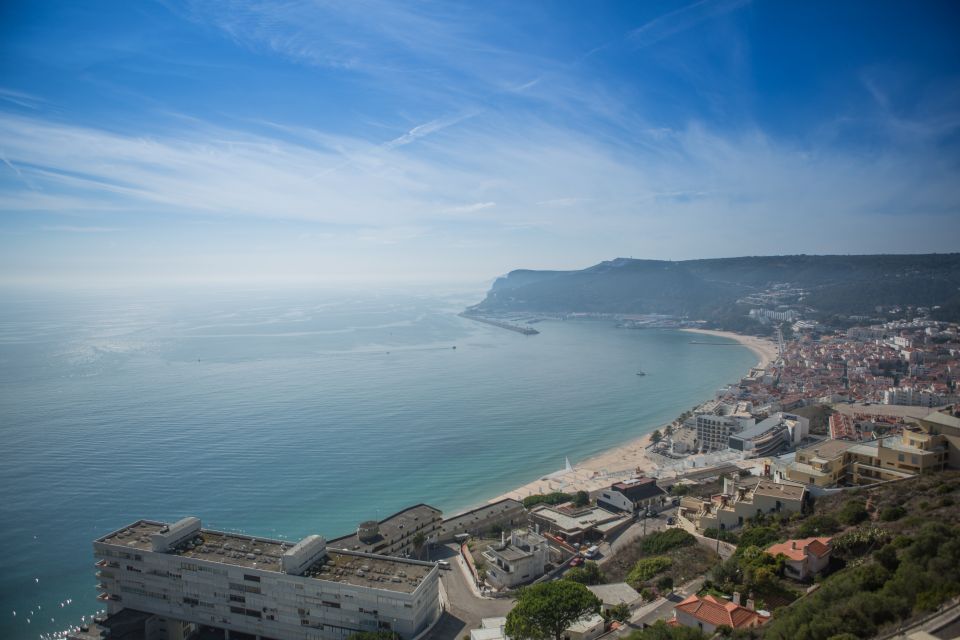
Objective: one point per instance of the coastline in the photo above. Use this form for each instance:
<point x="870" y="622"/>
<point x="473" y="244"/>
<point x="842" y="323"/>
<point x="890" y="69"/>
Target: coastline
<point x="764" y="348"/>
<point x="631" y="458"/>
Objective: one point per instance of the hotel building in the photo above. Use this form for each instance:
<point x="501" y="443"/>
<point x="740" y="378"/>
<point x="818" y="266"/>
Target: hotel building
<point x="187" y="577"/>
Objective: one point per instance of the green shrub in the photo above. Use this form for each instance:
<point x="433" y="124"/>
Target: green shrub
<point x="725" y="535"/>
<point x="662" y="541"/>
<point x="820" y="525"/>
<point x="946" y="501"/>
<point x="853" y="512"/>
<point x="902" y="542"/>
<point x="859" y="541"/>
<point x="665" y="584"/>
<point x="557" y="497"/>
<point x="892" y="513"/>
<point x="588" y="574"/>
<point x="761" y="537"/>
<point x="646" y="568"/>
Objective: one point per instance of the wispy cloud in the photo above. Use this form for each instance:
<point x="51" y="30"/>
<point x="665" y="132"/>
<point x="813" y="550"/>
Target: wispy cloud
<point x="21" y="98"/>
<point x="680" y="20"/>
<point x="423" y="130"/>
<point x="471" y="208"/>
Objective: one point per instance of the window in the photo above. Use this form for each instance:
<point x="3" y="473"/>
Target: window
<point x="251" y="578"/>
<point x="235" y="598"/>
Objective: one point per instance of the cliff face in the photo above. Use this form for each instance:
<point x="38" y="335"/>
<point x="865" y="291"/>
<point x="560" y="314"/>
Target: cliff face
<point x="708" y="288"/>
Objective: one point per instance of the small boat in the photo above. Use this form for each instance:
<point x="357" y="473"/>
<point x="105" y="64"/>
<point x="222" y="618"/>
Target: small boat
<point x="641" y="373"/>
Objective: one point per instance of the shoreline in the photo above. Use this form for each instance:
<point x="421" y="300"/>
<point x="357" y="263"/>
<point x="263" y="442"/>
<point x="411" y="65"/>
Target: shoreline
<point x="764" y="348"/>
<point x="631" y="458"/>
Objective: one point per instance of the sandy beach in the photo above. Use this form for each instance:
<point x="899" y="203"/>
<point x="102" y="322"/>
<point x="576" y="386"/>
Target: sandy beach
<point x="632" y="458"/>
<point x="765" y="348"/>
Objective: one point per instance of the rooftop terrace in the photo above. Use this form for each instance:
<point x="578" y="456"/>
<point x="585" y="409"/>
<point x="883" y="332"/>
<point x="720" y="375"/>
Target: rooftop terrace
<point x="391" y="529"/>
<point x="264" y="554"/>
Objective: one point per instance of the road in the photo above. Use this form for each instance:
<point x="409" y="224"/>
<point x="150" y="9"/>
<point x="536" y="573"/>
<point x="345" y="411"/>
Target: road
<point x="465" y="608"/>
<point x="634" y="532"/>
<point x="659" y="609"/>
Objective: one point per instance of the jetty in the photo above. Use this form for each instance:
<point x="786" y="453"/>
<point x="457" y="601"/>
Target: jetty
<point x="527" y="331"/>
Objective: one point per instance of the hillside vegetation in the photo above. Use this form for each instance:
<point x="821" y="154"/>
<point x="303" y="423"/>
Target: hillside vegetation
<point x="896" y="558"/>
<point x="709" y="289"/>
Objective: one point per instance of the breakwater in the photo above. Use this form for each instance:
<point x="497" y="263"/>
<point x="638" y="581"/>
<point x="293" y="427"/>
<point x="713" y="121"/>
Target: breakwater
<point x="527" y="331"/>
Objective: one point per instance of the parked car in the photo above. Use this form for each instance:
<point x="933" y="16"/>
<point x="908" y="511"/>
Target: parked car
<point x="576" y="562"/>
<point x="671" y="520"/>
<point x="592" y="552"/>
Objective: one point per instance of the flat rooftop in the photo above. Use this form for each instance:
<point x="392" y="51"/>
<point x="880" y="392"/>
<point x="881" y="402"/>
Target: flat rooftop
<point x="827" y="449"/>
<point x="391" y="529"/>
<point x="264" y="554"/>
<point x="577" y="521"/>
<point x="779" y="490"/>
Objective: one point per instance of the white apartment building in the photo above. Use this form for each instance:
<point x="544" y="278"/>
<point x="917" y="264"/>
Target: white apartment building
<point x="915" y="397"/>
<point x="780" y="316"/>
<point x="714" y="429"/>
<point x="395" y="535"/>
<point x="522" y="559"/>
<point x="187" y="576"/>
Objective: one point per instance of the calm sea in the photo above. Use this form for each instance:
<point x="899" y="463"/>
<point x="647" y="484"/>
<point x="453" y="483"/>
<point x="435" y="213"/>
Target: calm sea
<point x="284" y="413"/>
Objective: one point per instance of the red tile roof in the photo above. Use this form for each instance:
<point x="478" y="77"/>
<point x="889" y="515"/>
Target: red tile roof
<point x="718" y="611"/>
<point x="797" y="549"/>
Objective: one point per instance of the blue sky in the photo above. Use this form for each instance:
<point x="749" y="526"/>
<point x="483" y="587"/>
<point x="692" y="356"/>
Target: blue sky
<point x="364" y="141"/>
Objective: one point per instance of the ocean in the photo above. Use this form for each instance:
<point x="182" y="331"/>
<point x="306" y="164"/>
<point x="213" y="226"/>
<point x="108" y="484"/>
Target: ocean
<point x="285" y="412"/>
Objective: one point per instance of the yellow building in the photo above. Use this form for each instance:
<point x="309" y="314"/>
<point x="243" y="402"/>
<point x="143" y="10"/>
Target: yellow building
<point x="838" y="462"/>
<point x="823" y="464"/>
<point x="736" y="504"/>
<point x="944" y="423"/>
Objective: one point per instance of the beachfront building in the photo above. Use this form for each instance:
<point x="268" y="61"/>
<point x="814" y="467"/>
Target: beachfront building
<point x="506" y="514"/>
<point x="576" y="525"/>
<point x="633" y="495"/>
<point x="715" y="425"/>
<point x="737" y="503"/>
<point x="769" y="436"/>
<point x="185" y="576"/>
<point x="709" y="612"/>
<point x="521" y="559"/>
<point x="395" y="535"/>
<point x="803" y="558"/>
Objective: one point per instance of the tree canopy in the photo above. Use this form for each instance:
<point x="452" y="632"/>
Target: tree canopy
<point x="544" y="611"/>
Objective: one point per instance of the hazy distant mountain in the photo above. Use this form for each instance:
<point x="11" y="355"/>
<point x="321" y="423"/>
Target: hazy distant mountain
<point x="709" y="289"/>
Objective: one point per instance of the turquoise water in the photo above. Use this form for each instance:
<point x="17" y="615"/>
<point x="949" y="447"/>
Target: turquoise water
<point x="283" y="413"/>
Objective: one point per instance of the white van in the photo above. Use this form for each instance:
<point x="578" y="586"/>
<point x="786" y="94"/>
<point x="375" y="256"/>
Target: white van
<point x="592" y="552"/>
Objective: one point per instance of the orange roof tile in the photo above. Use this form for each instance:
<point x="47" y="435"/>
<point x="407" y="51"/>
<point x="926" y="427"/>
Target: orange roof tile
<point x="718" y="611"/>
<point x="797" y="549"/>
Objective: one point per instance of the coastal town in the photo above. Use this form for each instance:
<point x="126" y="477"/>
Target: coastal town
<point x="724" y="521"/>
